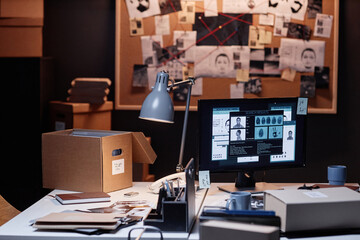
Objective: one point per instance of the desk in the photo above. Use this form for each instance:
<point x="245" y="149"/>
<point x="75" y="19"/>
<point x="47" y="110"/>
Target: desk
<point x="19" y="227"/>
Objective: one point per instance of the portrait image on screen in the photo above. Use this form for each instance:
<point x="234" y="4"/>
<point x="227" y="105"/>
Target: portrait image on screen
<point x="245" y="135"/>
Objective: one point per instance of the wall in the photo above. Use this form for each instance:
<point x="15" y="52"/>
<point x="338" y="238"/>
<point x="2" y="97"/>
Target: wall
<point x="79" y="36"/>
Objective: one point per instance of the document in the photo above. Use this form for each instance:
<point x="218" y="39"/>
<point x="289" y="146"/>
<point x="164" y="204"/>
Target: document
<point x="301" y="55"/>
<point x="323" y="25"/>
<point x="162" y="25"/>
<point x="296" y="8"/>
<point x="142" y="8"/>
<point x="245" y="6"/>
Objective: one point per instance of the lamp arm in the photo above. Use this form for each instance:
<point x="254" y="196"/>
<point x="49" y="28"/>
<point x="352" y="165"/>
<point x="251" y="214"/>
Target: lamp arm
<point x="190" y="81"/>
<point x="179" y="167"/>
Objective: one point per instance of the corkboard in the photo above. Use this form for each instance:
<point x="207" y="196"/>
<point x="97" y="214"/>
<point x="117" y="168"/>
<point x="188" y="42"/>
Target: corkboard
<point x="128" y="53"/>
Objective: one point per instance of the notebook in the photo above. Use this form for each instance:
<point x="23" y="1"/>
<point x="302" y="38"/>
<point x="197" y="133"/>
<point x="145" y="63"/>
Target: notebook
<point x="85" y="197"/>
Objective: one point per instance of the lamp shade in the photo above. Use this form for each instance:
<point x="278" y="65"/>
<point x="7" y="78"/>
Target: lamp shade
<point x="158" y="105"/>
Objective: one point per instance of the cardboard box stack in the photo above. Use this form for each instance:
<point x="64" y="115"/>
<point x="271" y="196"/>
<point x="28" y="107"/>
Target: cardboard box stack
<point x="21" y="25"/>
<point x="89" y="90"/>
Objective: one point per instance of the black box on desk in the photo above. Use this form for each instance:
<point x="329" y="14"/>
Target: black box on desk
<point x="317" y="209"/>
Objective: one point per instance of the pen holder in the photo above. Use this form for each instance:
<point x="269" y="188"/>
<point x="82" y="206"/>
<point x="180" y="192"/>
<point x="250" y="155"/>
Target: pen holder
<point x="176" y="214"/>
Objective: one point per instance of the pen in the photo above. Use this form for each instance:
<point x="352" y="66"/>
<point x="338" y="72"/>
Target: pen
<point x="172" y="189"/>
<point x="167" y="188"/>
<point x="179" y="194"/>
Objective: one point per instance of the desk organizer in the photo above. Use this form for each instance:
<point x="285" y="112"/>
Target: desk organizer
<point x="176" y="215"/>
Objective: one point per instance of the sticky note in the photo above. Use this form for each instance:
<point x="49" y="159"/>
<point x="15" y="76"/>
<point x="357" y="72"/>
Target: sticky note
<point x="302" y="106"/>
<point x="242" y="75"/>
<point x="288" y="74"/>
<point x="204" y="179"/>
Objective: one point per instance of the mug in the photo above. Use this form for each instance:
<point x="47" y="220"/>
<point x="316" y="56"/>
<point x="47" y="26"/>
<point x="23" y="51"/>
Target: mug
<point x="239" y="201"/>
<point x="337" y="174"/>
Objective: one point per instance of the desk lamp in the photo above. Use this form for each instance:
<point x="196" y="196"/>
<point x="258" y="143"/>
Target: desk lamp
<point x="159" y="107"/>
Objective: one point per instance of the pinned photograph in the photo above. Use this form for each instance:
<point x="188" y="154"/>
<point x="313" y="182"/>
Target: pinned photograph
<point x="281" y="25"/>
<point x="314" y="7"/>
<point x="140" y="77"/>
<point x="254" y="85"/>
<point x="169" y="6"/>
<point x="254" y="37"/>
<point x="149" y="48"/>
<point x="301" y="55"/>
<point x="136" y="27"/>
<point x="142" y="8"/>
<point x="180" y="93"/>
<point x="296" y="8"/>
<point x="272" y="62"/>
<point x="185" y="42"/>
<point x="322" y="77"/>
<point x="187" y="14"/>
<point x="307" y="86"/>
<point x="299" y="31"/>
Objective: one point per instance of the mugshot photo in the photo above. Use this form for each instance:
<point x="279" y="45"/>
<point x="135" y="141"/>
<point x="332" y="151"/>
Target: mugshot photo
<point x="237" y="135"/>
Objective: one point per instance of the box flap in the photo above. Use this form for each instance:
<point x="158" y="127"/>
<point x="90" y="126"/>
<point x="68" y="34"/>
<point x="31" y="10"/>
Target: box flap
<point x="142" y="150"/>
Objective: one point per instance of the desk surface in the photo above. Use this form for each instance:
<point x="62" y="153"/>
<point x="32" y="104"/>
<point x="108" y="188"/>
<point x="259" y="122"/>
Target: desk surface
<point x="19" y="227"/>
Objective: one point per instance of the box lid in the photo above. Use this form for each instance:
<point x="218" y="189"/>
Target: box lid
<point x="80" y="107"/>
<point x="142" y="151"/>
<point x="326" y="195"/>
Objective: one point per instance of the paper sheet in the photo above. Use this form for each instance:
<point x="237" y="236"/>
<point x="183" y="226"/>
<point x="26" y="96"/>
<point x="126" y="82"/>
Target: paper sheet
<point x="323" y="25"/>
<point x="187" y="15"/>
<point x="142" y="8"/>
<point x="162" y="25"/>
<point x="266" y="19"/>
<point x="221" y="61"/>
<point x="149" y="44"/>
<point x="281" y="25"/>
<point x="296" y="8"/>
<point x="301" y="55"/>
<point x="237" y="90"/>
<point x="245" y="6"/>
<point x="186" y="44"/>
<point x="210" y="8"/>
<point x="136" y="27"/>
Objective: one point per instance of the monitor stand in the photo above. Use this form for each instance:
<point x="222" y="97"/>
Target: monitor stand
<point x="246" y="182"/>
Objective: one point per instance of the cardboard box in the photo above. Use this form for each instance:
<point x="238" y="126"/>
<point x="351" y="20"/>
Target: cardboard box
<point x="67" y="115"/>
<point x="92" y="160"/>
<point x="22" y="8"/>
<point x="21" y="41"/>
<point x="317" y="209"/>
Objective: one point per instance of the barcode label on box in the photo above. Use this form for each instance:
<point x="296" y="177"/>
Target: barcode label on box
<point x="118" y="166"/>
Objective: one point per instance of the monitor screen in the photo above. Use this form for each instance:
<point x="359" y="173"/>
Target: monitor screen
<point x="251" y="134"/>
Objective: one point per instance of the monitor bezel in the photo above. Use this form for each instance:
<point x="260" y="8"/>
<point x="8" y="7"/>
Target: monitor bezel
<point x="205" y="107"/>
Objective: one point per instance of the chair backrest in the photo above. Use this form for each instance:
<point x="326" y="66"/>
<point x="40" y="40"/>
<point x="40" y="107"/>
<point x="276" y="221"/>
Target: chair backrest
<point x="7" y="211"/>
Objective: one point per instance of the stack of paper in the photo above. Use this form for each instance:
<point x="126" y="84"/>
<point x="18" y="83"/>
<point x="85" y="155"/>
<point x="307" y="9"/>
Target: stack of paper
<point x="89" y="90"/>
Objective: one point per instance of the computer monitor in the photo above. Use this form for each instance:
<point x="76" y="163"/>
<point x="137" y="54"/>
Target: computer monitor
<point x="245" y="135"/>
